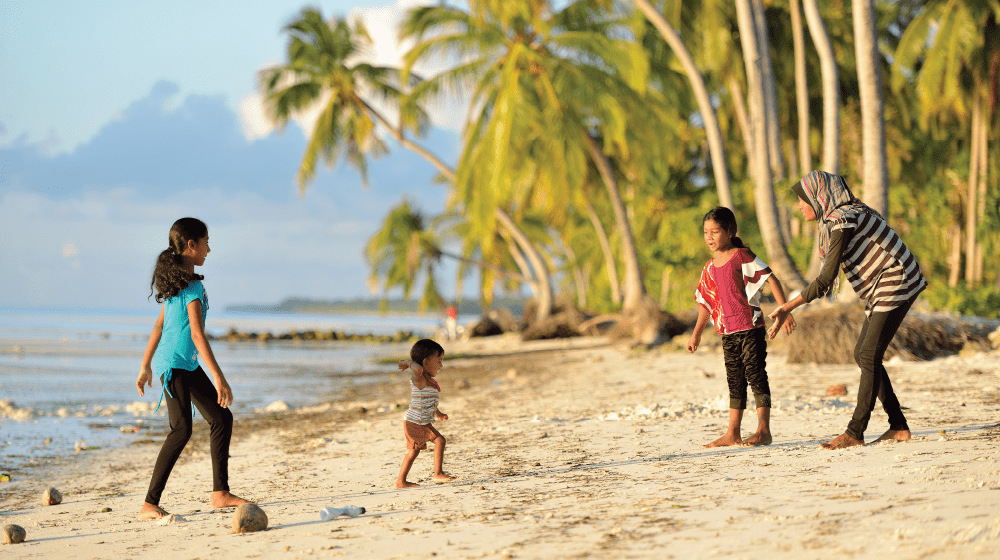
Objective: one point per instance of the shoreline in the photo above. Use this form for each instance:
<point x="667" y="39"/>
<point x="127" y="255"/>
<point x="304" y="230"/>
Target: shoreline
<point x="585" y="448"/>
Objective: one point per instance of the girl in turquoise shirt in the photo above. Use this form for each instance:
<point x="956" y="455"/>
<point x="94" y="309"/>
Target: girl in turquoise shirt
<point x="177" y="340"/>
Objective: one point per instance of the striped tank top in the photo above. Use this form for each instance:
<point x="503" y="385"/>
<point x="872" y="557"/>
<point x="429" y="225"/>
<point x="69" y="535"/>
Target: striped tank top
<point x="423" y="403"/>
<point x="878" y="265"/>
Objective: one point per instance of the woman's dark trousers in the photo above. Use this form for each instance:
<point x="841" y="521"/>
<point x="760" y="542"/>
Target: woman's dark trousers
<point x="876" y="334"/>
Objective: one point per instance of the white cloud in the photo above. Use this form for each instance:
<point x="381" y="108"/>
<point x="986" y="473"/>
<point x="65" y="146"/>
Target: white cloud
<point x="253" y="120"/>
<point x="70" y="250"/>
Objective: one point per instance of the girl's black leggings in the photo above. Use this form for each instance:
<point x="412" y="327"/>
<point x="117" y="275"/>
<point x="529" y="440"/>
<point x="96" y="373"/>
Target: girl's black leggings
<point x="745" y="354"/>
<point x="187" y="387"/>
<point x="873" y="341"/>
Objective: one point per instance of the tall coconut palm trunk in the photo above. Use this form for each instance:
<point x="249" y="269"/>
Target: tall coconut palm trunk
<point x="633" y="288"/>
<point x="801" y="90"/>
<point x="767" y="212"/>
<point x="831" y="87"/>
<point x="609" y="257"/>
<point x="712" y="131"/>
<point x="540" y="269"/>
<point x="876" y="168"/>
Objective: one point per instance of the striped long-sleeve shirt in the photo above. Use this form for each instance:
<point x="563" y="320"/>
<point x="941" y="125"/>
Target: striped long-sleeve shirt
<point x="875" y="260"/>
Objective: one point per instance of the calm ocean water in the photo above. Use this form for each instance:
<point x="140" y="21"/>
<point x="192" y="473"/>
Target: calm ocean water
<point x="70" y="375"/>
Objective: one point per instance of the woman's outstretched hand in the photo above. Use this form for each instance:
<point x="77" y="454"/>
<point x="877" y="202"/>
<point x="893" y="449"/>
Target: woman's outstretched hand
<point x="781" y="318"/>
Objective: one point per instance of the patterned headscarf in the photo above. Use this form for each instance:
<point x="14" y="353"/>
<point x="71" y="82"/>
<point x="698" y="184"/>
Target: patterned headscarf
<point x="832" y="200"/>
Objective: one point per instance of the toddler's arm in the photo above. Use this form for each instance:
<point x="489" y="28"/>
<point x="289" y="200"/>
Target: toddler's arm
<point x="699" y="328"/>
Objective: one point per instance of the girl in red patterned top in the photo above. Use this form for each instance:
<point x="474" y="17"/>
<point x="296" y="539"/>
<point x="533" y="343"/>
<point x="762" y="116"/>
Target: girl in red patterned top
<point x="729" y="293"/>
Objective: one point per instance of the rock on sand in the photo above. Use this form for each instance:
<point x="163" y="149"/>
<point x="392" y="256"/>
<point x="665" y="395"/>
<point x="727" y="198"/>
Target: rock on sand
<point x="13" y="534"/>
<point x="51" y="497"/>
<point x="249" y="518"/>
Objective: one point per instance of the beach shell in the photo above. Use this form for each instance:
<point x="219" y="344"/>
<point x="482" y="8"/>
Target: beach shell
<point x="13" y="534"/>
<point x="249" y="518"/>
<point x="51" y="497"/>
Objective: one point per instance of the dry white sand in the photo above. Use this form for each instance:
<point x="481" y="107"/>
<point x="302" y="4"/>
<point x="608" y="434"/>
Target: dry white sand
<point x="591" y="449"/>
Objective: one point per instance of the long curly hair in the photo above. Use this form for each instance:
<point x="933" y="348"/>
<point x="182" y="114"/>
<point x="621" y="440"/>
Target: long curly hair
<point x="727" y="220"/>
<point x="169" y="276"/>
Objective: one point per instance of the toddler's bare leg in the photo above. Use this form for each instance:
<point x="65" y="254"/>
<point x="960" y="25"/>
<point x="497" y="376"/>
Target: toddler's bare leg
<point x="439" y="475"/>
<point x="404" y="470"/>
<point x="732" y="436"/>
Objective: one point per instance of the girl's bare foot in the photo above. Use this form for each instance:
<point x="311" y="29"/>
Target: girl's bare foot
<point x="149" y="511"/>
<point x="842" y="441"/>
<point x="895" y="435"/>
<point x="441" y="477"/>
<point x="758" y="439"/>
<point x="725" y="440"/>
<point x="223" y="499"/>
<point x="405" y="484"/>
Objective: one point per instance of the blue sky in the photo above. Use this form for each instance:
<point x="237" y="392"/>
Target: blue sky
<point x="117" y="118"/>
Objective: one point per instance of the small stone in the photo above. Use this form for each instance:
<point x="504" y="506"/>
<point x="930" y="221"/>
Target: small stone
<point x="544" y="435"/>
<point x="249" y="518"/>
<point x="462" y="384"/>
<point x="13" y="534"/>
<point x="362" y="410"/>
<point x="51" y="497"/>
<point x="942" y="432"/>
<point x="511" y="373"/>
<point x="106" y="510"/>
<point x="836" y="390"/>
<point x="4" y="477"/>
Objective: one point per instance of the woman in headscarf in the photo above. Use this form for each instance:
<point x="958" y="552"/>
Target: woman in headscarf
<point x="856" y="239"/>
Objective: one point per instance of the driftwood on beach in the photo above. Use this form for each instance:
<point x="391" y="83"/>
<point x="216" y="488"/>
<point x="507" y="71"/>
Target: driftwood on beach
<point x="829" y="332"/>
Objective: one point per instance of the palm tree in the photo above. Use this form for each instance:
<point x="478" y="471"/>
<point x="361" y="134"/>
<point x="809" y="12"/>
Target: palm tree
<point x="801" y="89"/>
<point x="831" y="87"/>
<point x="321" y="72"/>
<point x="714" y="134"/>
<point x="876" y="173"/>
<point x="405" y="249"/>
<point x="767" y="214"/>
<point x="552" y="87"/>
<point x="964" y="46"/>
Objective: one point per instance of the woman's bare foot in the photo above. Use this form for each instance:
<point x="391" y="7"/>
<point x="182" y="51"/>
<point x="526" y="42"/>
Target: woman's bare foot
<point x="223" y="499"/>
<point x="149" y="511"/>
<point x="441" y="477"/>
<point x="841" y="442"/>
<point x="895" y="435"/>
<point x="758" y="439"/>
<point x="725" y="440"/>
<point x="405" y="484"/>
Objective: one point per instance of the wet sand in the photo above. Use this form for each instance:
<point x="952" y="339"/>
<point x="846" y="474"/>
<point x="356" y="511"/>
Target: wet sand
<point x="586" y="449"/>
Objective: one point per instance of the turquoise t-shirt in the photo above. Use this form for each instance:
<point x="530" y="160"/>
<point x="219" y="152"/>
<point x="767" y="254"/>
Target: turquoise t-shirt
<point x="176" y="349"/>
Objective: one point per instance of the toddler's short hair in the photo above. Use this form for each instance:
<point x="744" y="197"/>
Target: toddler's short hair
<point x="423" y="349"/>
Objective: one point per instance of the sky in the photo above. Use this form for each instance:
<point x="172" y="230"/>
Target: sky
<point x="119" y="117"/>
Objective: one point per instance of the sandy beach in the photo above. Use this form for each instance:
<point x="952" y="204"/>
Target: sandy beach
<point x="563" y="449"/>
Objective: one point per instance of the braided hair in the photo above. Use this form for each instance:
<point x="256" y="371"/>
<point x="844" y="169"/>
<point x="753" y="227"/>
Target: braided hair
<point x="169" y="276"/>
